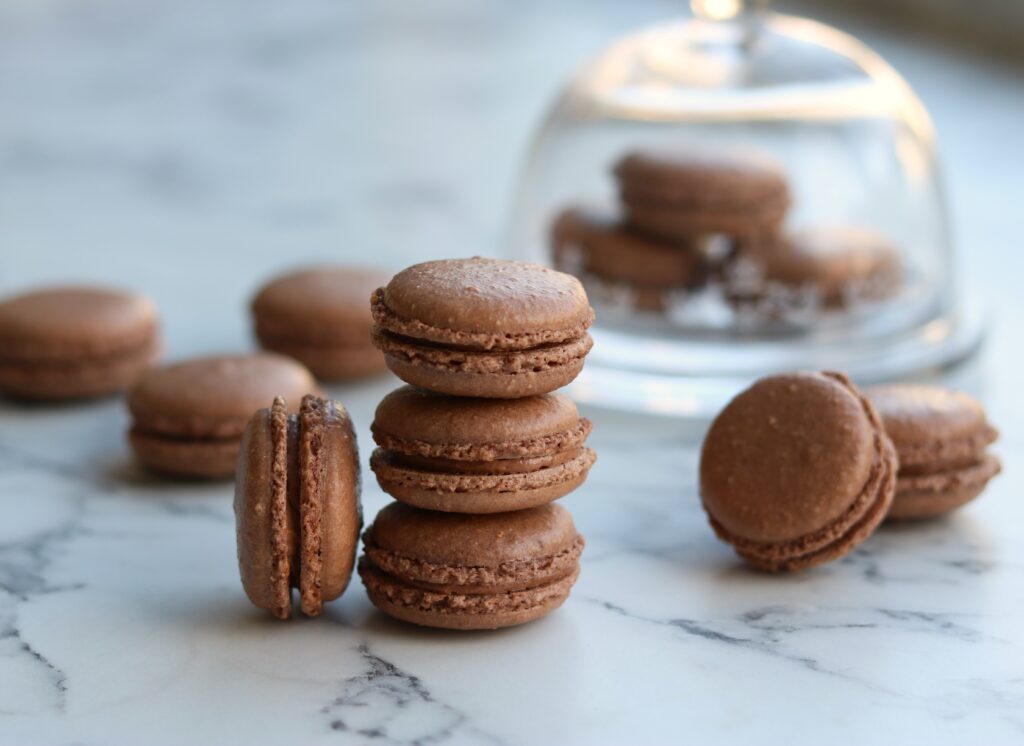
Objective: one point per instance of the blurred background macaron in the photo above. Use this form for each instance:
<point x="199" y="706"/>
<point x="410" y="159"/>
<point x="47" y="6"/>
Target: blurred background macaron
<point x="942" y="438"/>
<point x="75" y="342"/>
<point x="188" y="418"/>
<point x="321" y="317"/>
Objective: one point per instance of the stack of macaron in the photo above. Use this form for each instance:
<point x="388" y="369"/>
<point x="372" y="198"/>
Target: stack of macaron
<point x="477" y="447"/>
<point x="691" y="220"/>
<point x="801" y="468"/>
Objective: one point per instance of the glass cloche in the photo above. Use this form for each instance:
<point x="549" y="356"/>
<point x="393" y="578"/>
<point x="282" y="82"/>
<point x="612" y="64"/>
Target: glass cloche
<point x="744" y="193"/>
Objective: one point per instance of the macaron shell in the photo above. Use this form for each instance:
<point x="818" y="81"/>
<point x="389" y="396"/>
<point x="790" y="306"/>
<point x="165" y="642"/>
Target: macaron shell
<point x="501" y="376"/>
<point x="674" y="224"/>
<point x="200" y="458"/>
<point x="447" y="610"/>
<point x="418" y="421"/>
<point x="834" y="540"/>
<point x="700" y="176"/>
<point x="933" y="428"/>
<point x="214" y="396"/>
<point x="788" y="456"/>
<point x="485" y="303"/>
<point x="51" y="380"/>
<point x="473" y="540"/>
<point x="73" y="323"/>
<point x="343" y="516"/>
<point x="325" y="304"/>
<point x="329" y="511"/>
<point x="480" y="493"/>
<point x="929" y="495"/>
<point x="265" y="520"/>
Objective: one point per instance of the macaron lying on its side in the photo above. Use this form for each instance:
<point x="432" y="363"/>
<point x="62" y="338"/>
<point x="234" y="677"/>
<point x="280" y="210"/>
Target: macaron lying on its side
<point x="942" y="438"/>
<point x="470" y="571"/>
<point x="466" y="455"/>
<point x="483" y="327"/>
<point x="188" y="418"/>
<point x="75" y="342"/>
<point x="297" y="508"/>
<point x="797" y="470"/>
<point x="320" y="317"/>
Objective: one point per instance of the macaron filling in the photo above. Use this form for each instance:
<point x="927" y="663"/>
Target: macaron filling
<point x="512" y="575"/>
<point x="538" y="445"/>
<point x="386" y="588"/>
<point x="467" y="360"/>
<point x="389" y="470"/>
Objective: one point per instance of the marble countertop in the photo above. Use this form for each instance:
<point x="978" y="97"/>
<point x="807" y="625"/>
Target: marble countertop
<point x="189" y="149"/>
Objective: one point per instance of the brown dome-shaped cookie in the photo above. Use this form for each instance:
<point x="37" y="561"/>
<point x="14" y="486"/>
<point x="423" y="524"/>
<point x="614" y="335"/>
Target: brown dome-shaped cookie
<point x="483" y="327"/>
<point x="188" y="417"/>
<point x="320" y="317"/>
<point x="469" y="455"/>
<point x="941" y="437"/>
<point x="72" y="342"/>
<point x="797" y="470"/>
<point x="470" y="571"/>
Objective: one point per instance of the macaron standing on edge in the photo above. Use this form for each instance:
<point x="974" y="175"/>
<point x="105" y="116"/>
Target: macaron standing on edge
<point x="797" y="471"/>
<point x="457" y="454"/>
<point x="470" y="572"/>
<point x="483" y="327"/>
<point x="188" y="417"/>
<point x="320" y="317"/>
<point x="297" y="506"/>
<point x="61" y="343"/>
<point x="942" y="438"/>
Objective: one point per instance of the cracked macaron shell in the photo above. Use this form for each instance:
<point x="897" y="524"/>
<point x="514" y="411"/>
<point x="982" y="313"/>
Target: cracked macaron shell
<point x="797" y="470"/>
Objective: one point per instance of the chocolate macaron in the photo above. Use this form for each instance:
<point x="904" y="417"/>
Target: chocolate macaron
<point x="941" y="437"/>
<point x="834" y="266"/>
<point x="470" y="571"/>
<point x="612" y="259"/>
<point x="464" y="455"/>
<point x="75" y="342"/>
<point x="483" y="327"/>
<point x="677" y="195"/>
<point x="297" y="509"/>
<point x="797" y="470"/>
<point x="188" y="418"/>
<point x="320" y="317"/>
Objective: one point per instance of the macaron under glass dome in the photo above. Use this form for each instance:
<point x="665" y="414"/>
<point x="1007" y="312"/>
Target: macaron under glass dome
<point x="744" y="193"/>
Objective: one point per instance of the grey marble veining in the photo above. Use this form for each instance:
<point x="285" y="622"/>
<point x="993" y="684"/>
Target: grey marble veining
<point x="192" y="148"/>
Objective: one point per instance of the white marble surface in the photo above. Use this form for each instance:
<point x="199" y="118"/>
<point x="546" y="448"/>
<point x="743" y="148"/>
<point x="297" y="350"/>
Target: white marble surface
<point x="190" y="148"/>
